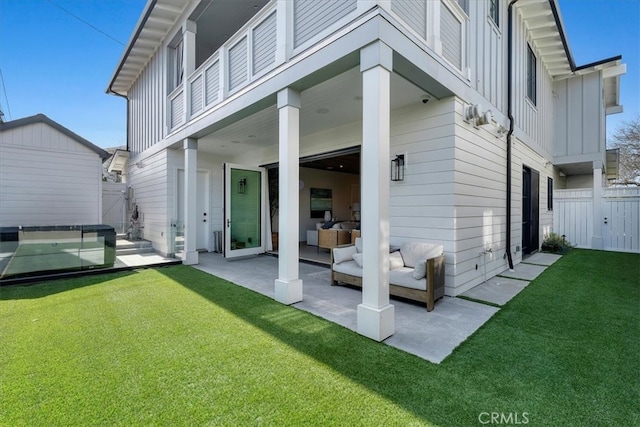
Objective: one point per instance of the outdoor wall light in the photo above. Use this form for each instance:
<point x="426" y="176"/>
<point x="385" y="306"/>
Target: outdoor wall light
<point x="397" y="168"/>
<point x="242" y="186"/>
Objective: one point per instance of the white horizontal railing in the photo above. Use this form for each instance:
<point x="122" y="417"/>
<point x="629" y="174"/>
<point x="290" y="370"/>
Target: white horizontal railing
<point x="268" y="40"/>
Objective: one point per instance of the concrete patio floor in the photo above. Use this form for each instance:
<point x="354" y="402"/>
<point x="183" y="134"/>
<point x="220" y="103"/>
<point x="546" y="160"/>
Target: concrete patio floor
<point x="429" y="335"/>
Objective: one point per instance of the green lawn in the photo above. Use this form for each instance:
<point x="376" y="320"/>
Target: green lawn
<point x="176" y="346"/>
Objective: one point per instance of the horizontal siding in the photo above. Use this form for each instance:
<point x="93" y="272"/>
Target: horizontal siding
<point x="45" y="187"/>
<point x="451" y="36"/>
<point x="212" y="83"/>
<point x="312" y="17"/>
<point x="264" y="44"/>
<point x="150" y="194"/>
<point x="238" y="73"/>
<point x="197" y="96"/>
<point x="414" y="13"/>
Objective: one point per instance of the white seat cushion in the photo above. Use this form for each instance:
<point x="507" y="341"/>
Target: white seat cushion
<point x="348" y="267"/>
<point x="403" y="276"/>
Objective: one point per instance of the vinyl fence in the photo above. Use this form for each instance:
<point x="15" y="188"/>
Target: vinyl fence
<point x="620" y="222"/>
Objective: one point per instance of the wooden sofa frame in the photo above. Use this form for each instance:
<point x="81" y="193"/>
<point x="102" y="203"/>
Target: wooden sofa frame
<point x="435" y="276"/>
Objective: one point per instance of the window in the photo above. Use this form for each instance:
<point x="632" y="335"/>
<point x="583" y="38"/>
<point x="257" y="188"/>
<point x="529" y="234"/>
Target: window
<point x="177" y="64"/>
<point x="494" y="12"/>
<point x="464" y="4"/>
<point x="549" y="194"/>
<point x="531" y="75"/>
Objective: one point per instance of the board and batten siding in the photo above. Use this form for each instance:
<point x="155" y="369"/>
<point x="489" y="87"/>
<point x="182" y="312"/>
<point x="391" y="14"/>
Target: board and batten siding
<point x="535" y="121"/>
<point x="311" y="17"/>
<point x="487" y="54"/>
<point x="48" y="178"/>
<point x="579" y="125"/>
<point x="147" y="106"/>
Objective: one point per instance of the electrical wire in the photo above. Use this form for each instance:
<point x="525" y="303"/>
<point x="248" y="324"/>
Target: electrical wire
<point x="85" y="22"/>
<point x="4" y="89"/>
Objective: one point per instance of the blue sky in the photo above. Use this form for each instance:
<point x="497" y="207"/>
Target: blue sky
<point x="53" y="64"/>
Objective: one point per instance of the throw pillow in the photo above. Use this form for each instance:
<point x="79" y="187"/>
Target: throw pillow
<point x="420" y="270"/>
<point x="327" y="225"/>
<point x="395" y="260"/>
<point x="359" y="244"/>
<point x="343" y="254"/>
<point x="358" y="259"/>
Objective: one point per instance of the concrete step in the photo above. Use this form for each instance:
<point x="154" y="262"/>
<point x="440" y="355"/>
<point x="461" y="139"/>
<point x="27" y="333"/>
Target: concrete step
<point x="130" y="247"/>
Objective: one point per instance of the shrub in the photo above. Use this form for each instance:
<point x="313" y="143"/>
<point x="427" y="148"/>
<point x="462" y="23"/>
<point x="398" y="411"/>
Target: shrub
<point x="556" y="244"/>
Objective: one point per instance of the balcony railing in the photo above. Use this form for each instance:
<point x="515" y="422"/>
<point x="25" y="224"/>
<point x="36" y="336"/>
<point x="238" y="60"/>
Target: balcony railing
<point x="259" y="46"/>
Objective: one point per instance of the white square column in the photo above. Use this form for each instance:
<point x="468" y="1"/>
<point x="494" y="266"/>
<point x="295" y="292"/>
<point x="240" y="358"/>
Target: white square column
<point x="288" y="286"/>
<point x="597" y="241"/>
<point x="190" y="256"/>
<point x="376" y="317"/>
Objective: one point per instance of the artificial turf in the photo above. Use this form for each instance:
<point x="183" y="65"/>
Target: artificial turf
<point x="176" y="346"/>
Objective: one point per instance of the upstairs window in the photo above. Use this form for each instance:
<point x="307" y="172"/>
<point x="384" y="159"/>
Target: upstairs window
<point x="549" y="194"/>
<point x="177" y="64"/>
<point x="531" y="75"/>
<point x="464" y="4"/>
<point x="494" y="12"/>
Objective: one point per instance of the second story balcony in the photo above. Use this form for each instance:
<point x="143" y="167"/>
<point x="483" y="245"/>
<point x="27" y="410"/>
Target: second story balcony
<point x="225" y="48"/>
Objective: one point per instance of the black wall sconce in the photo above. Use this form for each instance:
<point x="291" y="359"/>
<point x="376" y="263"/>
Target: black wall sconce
<point x="242" y="186"/>
<point x="397" y="168"/>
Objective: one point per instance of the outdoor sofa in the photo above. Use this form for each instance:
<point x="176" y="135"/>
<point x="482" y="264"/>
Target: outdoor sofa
<point x="416" y="270"/>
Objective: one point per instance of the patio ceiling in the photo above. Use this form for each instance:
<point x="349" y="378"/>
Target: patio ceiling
<point x="330" y="104"/>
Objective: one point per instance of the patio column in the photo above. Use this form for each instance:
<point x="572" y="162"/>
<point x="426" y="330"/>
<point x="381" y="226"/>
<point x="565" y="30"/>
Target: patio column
<point x="189" y="63"/>
<point x="597" y="241"/>
<point x="190" y="145"/>
<point x="376" y="317"/>
<point x="288" y="286"/>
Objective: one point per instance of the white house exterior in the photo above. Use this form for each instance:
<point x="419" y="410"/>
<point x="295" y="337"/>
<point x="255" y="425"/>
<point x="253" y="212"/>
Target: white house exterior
<point x="217" y="89"/>
<point x="48" y="175"/>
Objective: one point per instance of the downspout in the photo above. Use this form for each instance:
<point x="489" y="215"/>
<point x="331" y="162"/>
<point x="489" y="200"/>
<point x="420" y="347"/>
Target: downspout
<point x="511" y="121"/>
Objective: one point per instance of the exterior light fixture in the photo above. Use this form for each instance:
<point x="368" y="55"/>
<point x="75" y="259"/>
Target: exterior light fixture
<point x="397" y="168"/>
<point x="242" y="186"/>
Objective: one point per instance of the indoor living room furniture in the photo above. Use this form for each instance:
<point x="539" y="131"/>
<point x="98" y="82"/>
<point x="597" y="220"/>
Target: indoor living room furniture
<point x="330" y="238"/>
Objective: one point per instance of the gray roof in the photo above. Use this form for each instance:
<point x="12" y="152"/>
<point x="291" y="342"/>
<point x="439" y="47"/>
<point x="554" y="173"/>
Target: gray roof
<point x="41" y="118"/>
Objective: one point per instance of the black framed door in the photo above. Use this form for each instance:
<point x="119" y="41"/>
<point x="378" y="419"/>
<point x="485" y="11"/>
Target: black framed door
<point x="530" y="210"/>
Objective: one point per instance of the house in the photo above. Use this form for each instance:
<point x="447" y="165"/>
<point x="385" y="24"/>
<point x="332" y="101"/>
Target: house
<point x="477" y="105"/>
<point x="48" y="175"/>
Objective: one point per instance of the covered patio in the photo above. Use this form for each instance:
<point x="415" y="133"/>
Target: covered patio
<point x="429" y="335"/>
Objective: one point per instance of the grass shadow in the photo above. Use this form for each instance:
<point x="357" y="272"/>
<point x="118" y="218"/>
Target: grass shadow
<point x="41" y="289"/>
<point x="508" y="366"/>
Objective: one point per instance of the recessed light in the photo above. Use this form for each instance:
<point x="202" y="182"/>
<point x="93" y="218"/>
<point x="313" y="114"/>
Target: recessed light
<point x="322" y="110"/>
<point x="330" y="167"/>
<point x="341" y="166"/>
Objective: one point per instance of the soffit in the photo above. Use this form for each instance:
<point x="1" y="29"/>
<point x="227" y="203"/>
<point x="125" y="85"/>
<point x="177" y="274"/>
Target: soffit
<point x="157" y="19"/>
<point x="545" y="29"/>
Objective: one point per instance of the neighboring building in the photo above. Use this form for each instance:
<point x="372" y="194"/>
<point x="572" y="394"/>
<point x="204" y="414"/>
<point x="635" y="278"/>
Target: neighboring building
<point x="218" y="90"/>
<point x="48" y="175"/>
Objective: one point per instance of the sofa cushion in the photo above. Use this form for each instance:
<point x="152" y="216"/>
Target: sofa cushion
<point x="420" y="270"/>
<point x="358" y="244"/>
<point x="343" y="254"/>
<point x="403" y="276"/>
<point x="348" y="267"/>
<point x="395" y="260"/>
<point x="358" y="258"/>
<point x="414" y="252"/>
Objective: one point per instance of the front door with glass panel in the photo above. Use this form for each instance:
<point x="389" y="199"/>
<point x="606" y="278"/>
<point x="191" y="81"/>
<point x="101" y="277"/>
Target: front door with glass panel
<point x="245" y="213"/>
